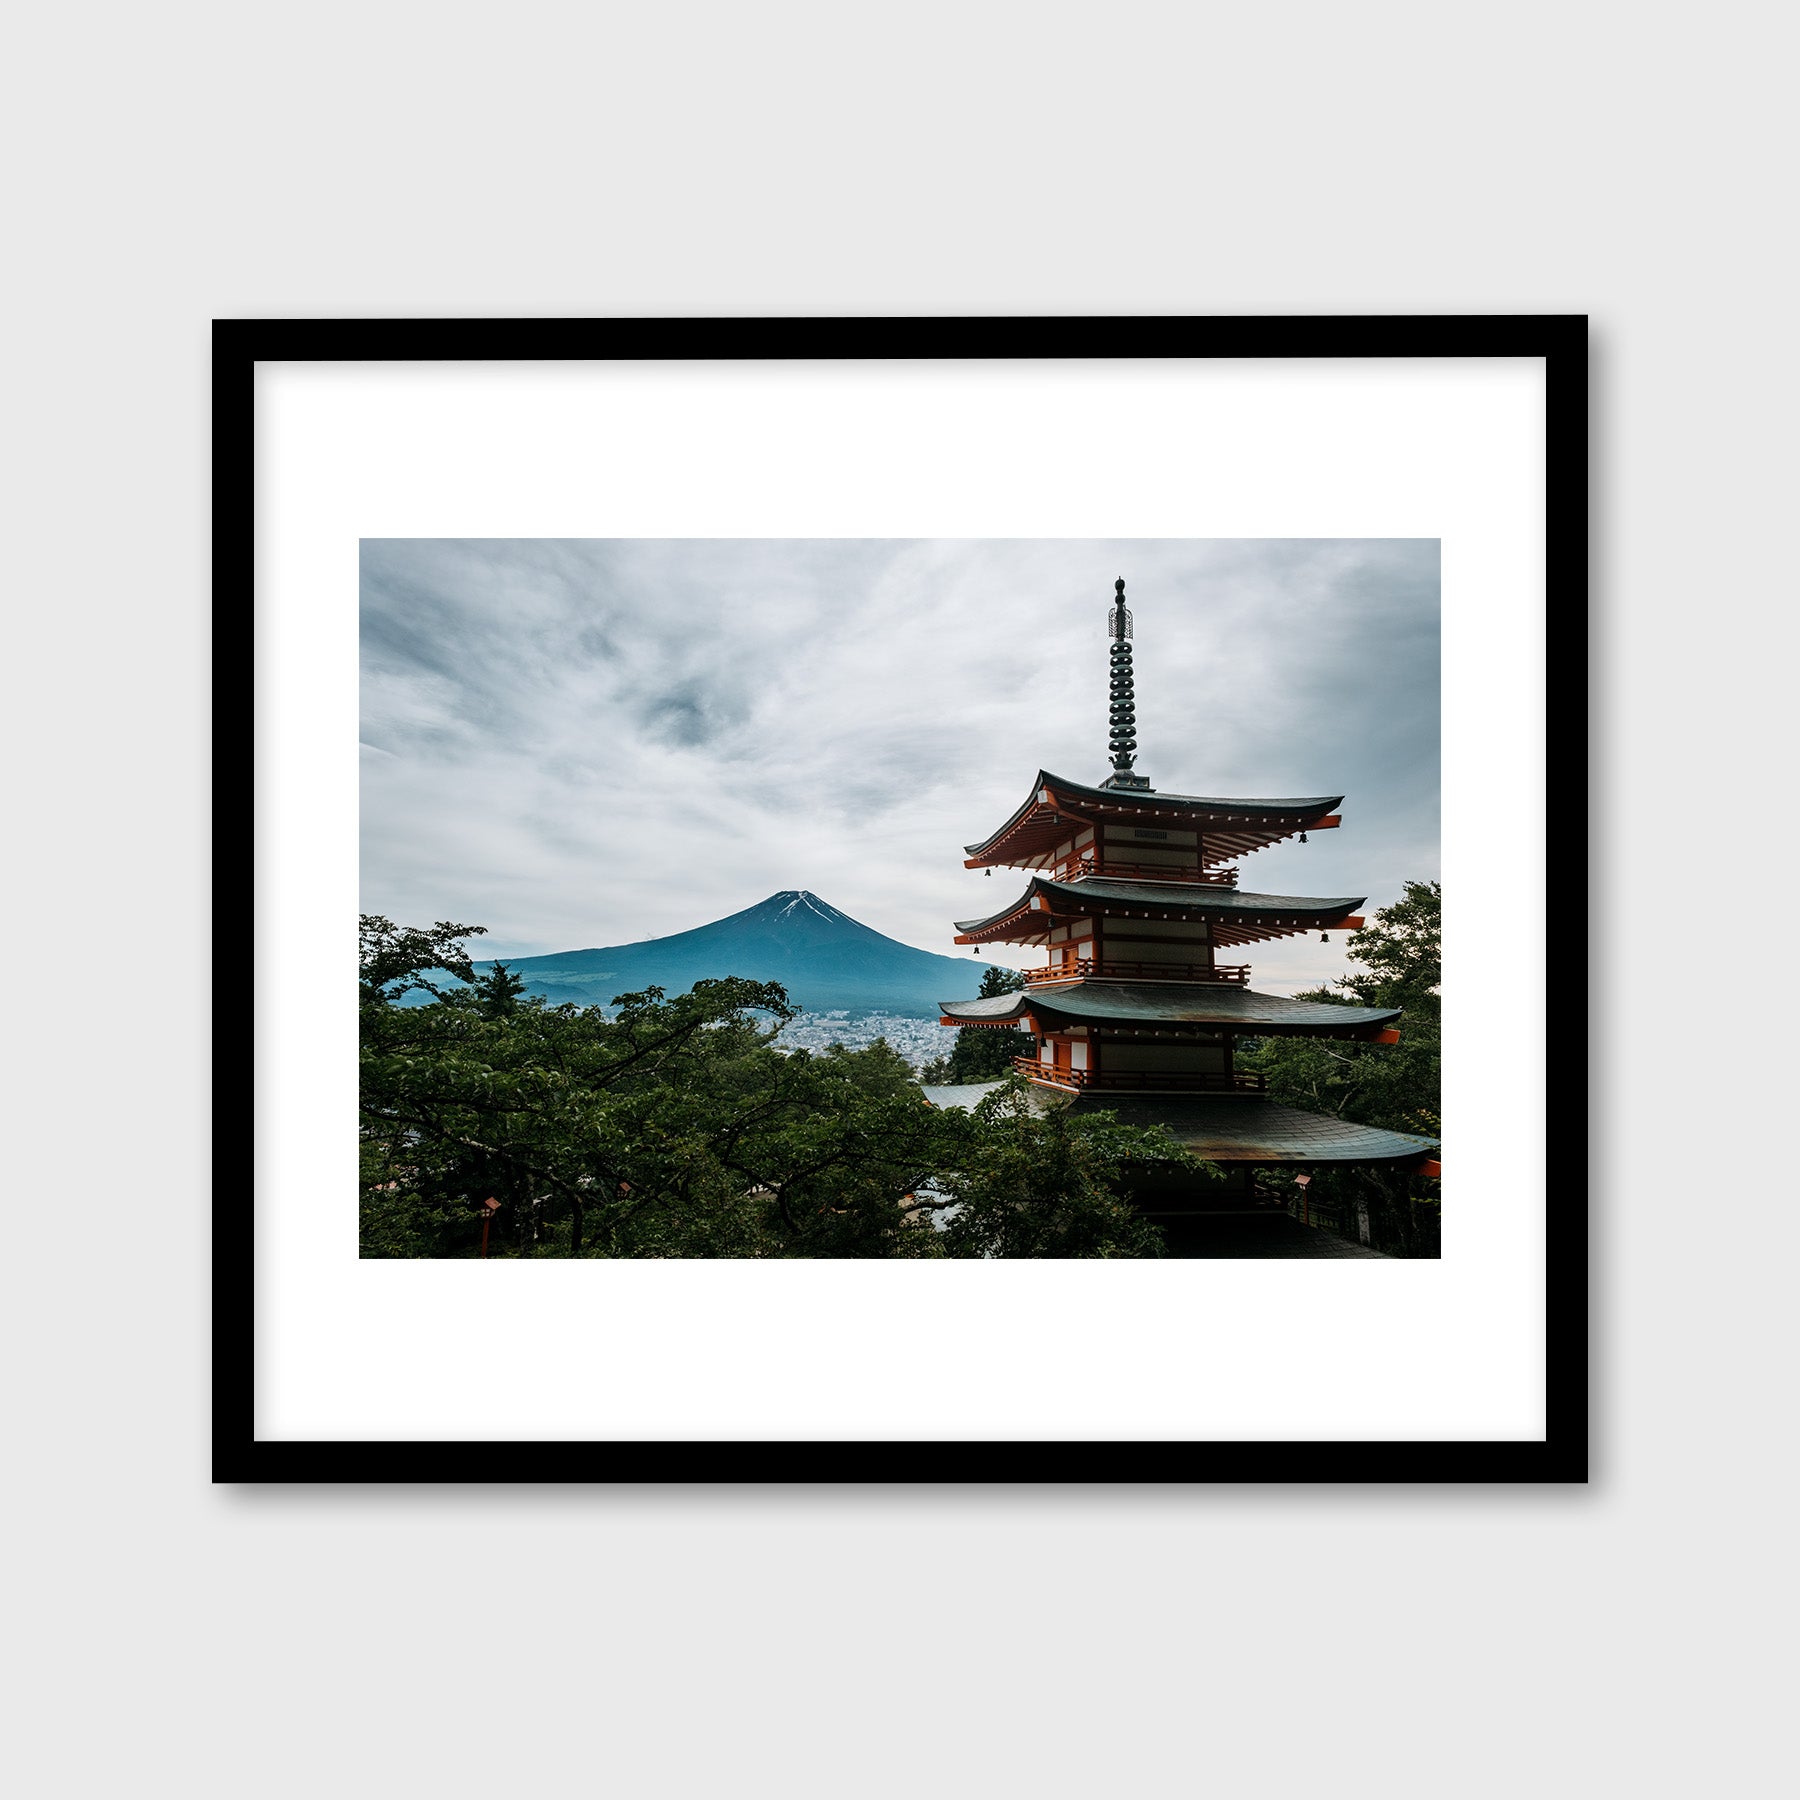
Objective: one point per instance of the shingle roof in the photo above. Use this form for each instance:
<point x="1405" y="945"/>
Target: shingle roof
<point x="1149" y="800"/>
<point x="1229" y="1008"/>
<point x="1151" y="797"/>
<point x="967" y="1097"/>
<point x="1236" y="1128"/>
<point x="1232" y="1127"/>
<point x="1193" y="900"/>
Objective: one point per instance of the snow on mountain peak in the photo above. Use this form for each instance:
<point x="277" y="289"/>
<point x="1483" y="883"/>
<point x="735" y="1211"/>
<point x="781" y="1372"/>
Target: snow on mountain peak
<point x="800" y="897"/>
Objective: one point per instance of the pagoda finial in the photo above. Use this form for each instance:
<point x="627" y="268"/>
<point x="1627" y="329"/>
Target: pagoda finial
<point x="1123" y="733"/>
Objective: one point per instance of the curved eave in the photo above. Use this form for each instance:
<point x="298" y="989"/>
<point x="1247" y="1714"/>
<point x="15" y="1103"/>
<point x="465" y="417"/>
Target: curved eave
<point x="1236" y="918"/>
<point x="1174" y="1007"/>
<point x="1232" y="827"/>
<point x="1229" y="1129"/>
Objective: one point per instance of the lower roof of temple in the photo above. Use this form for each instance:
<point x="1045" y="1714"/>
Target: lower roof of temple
<point x="1231" y="1128"/>
<point x="1205" y="1006"/>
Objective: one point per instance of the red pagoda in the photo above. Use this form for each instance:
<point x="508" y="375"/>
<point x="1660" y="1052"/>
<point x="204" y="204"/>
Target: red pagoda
<point x="1134" y="895"/>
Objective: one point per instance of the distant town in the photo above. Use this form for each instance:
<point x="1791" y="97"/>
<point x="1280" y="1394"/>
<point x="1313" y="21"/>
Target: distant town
<point x="918" y="1040"/>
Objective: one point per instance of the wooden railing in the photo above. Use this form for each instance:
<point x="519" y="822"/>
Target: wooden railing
<point x="1187" y="1081"/>
<point x="1078" y="866"/>
<point x="1034" y="1068"/>
<point x="1112" y="968"/>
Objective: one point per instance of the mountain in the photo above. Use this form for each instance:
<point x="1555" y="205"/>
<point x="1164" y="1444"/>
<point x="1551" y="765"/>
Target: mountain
<point x="824" y="958"/>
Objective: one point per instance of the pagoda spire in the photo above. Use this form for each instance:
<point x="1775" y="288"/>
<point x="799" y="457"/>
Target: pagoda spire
<point x="1122" y="737"/>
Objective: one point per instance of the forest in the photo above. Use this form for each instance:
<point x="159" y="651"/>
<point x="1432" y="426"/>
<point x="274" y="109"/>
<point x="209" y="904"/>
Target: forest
<point x="1394" y="1086"/>
<point x="675" y="1127"/>
<point x="495" y="1123"/>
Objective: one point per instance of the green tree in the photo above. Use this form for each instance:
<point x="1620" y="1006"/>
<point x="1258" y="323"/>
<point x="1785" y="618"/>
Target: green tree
<point x="1394" y="1086"/>
<point x="678" y="1127"/>
<point x="581" y="1125"/>
<point x="672" y="1128"/>
<point x="496" y="994"/>
<point x="393" y="958"/>
<point x="1050" y="1182"/>
<point x="1402" y="951"/>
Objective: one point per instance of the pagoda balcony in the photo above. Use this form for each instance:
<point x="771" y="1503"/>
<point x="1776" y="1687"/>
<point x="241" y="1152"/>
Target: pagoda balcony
<point x="1117" y="869"/>
<point x="1185" y="1081"/>
<point x="1113" y="968"/>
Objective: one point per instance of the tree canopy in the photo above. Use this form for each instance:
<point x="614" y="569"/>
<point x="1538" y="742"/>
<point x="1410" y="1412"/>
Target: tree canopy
<point x="1394" y="1086"/>
<point x="394" y="958"/>
<point x="678" y="1127"/>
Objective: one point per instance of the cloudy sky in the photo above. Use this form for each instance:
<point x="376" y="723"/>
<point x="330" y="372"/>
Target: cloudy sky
<point x="588" y="741"/>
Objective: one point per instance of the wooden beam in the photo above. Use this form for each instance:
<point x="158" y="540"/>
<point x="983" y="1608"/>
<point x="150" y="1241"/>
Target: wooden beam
<point x="1433" y="1168"/>
<point x="1388" y="1035"/>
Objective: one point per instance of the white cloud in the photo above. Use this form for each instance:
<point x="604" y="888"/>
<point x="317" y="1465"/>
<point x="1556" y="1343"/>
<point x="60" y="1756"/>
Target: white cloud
<point x="589" y="742"/>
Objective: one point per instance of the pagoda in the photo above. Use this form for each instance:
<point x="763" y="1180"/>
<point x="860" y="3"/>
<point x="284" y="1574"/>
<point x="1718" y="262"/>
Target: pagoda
<point x="1134" y="896"/>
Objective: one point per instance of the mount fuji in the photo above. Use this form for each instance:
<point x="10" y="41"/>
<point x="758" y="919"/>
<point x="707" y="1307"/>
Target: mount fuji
<point x="823" y="957"/>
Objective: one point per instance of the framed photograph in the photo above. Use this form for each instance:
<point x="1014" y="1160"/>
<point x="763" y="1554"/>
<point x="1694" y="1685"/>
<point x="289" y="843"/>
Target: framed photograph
<point x="932" y="900"/>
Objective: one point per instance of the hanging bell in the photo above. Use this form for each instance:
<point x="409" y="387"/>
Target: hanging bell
<point x="1303" y="837"/>
<point x="1324" y="937"/>
<point x="990" y="874"/>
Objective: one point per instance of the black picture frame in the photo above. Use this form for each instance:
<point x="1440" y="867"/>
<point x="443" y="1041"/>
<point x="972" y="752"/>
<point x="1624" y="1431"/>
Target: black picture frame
<point x="1560" y="340"/>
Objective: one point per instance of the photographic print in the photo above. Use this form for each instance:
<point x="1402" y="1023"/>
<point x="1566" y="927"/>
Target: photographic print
<point x="862" y="898"/>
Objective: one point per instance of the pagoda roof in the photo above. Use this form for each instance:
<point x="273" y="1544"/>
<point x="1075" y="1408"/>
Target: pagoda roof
<point x="1232" y="827"/>
<point x="1230" y="1128"/>
<point x="1239" y="918"/>
<point x="1238" y="1128"/>
<point x="1202" y="1005"/>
